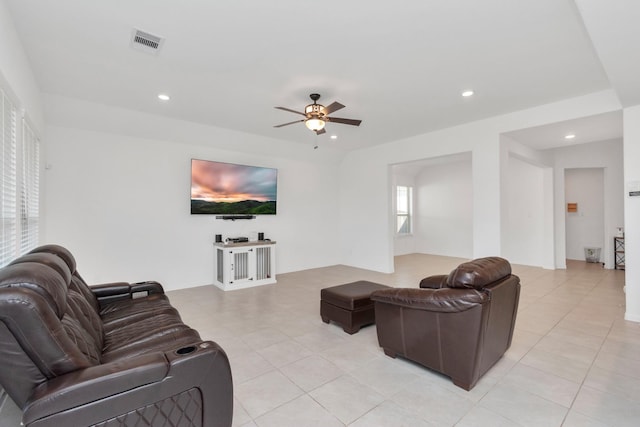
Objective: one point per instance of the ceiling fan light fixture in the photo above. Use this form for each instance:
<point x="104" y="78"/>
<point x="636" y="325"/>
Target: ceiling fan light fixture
<point x="315" y="110"/>
<point x="314" y="124"/>
<point x="316" y="115"/>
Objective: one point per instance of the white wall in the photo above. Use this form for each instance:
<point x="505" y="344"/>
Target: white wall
<point x="121" y="204"/>
<point x="367" y="241"/>
<point x="632" y="212"/>
<point x="512" y="233"/>
<point x="16" y="75"/>
<point x="525" y="187"/>
<point x="584" y="228"/>
<point x="444" y="209"/>
<point x="607" y="155"/>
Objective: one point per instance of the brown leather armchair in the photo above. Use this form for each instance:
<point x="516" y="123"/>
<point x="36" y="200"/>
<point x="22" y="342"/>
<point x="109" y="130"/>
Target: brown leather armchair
<point x="459" y="325"/>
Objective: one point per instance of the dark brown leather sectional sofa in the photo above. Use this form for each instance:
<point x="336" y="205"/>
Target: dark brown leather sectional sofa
<point x="110" y="355"/>
<point x="459" y="325"/>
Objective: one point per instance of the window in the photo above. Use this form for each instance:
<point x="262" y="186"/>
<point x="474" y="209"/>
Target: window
<point x="404" y="210"/>
<point x="19" y="183"/>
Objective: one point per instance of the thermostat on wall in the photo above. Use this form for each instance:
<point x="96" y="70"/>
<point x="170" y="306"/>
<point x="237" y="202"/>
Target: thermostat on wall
<point x="634" y="188"/>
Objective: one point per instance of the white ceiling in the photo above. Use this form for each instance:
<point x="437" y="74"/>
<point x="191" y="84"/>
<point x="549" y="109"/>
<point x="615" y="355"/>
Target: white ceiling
<point x="615" y="33"/>
<point x="399" y="66"/>
<point x="602" y="127"/>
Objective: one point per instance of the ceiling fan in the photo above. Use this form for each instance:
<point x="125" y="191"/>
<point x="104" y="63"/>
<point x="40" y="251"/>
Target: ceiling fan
<point x="316" y="115"/>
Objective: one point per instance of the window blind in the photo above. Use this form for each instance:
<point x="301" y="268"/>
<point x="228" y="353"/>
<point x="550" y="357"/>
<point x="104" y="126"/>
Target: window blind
<point x="30" y="185"/>
<point x="8" y="176"/>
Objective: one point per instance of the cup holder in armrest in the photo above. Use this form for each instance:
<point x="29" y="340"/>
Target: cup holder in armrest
<point x="186" y="350"/>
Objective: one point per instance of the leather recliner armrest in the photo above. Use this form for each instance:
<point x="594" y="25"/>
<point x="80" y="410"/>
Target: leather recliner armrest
<point x="445" y="300"/>
<point x="200" y="371"/>
<point x="150" y="287"/>
<point x="434" y="282"/>
<point x="106" y="290"/>
<point x="110" y="292"/>
<point x="94" y="383"/>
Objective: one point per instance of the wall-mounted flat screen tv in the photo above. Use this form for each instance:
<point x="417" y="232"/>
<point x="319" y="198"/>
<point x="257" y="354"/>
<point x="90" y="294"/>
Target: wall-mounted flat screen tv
<point x="228" y="189"/>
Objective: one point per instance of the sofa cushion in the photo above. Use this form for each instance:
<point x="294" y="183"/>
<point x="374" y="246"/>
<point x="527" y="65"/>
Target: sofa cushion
<point x="142" y="329"/>
<point x="479" y="273"/>
<point x="60" y="252"/>
<point x="77" y="282"/>
<point x="118" y="311"/>
<point x="50" y="260"/>
<point x="34" y="308"/>
<point x="81" y="312"/>
<point x="82" y="338"/>
<point x="88" y="318"/>
<point x="40" y="279"/>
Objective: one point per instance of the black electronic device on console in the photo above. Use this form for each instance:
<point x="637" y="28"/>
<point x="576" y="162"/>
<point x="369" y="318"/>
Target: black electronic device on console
<point x="238" y="239"/>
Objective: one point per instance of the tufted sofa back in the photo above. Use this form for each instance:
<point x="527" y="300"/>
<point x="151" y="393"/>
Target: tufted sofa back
<point x="77" y="282"/>
<point x="47" y="327"/>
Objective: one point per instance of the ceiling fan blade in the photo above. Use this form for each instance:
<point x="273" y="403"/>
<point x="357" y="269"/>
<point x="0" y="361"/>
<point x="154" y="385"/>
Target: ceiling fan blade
<point x="289" y="110"/>
<point x="321" y="131"/>
<point x="287" y="124"/>
<point x="352" y="122"/>
<point x="335" y="106"/>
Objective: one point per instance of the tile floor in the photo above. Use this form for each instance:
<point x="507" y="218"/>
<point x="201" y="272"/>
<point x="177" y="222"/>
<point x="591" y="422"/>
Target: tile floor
<point x="574" y="361"/>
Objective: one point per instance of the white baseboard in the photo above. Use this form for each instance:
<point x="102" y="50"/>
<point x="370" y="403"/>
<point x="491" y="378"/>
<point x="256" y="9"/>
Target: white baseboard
<point x="632" y="317"/>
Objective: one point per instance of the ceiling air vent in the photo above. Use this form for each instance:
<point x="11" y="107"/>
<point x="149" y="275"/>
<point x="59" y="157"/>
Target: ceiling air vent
<point x="146" y="42"/>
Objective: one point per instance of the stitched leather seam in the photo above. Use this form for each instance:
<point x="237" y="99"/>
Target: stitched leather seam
<point x="439" y="341"/>
<point x="404" y="347"/>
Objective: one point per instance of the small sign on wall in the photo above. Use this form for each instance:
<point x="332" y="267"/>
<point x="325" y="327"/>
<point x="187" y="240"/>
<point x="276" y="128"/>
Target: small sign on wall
<point x="572" y="207"/>
<point x="634" y="188"/>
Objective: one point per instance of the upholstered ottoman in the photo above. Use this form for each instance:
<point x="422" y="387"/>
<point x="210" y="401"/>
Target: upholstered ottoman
<point x="349" y="305"/>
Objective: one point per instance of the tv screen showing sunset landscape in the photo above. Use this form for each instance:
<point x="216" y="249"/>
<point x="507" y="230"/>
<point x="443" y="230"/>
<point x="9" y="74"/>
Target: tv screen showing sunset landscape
<point x="229" y="189"/>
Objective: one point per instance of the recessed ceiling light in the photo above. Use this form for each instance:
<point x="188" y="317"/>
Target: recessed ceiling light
<point x="467" y="93"/>
<point x="164" y="97"/>
<point x="569" y="136"/>
<point x="334" y="136"/>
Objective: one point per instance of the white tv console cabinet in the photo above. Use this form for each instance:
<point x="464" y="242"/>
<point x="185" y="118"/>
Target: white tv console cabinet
<point x="244" y="265"/>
